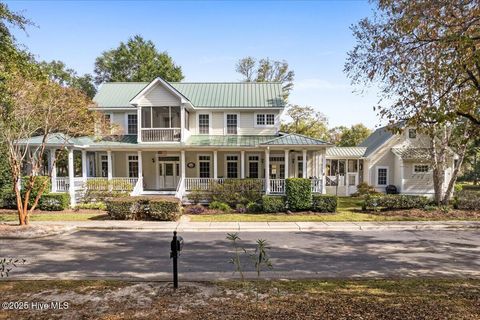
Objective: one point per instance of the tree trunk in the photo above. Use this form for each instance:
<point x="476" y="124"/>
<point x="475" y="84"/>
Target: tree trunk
<point x="456" y="170"/>
<point x="438" y="170"/>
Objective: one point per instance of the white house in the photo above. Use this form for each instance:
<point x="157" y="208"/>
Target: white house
<point x="176" y="137"/>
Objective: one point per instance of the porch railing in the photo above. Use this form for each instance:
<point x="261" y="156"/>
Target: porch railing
<point x="277" y="186"/>
<point x="96" y="183"/>
<point x="62" y="184"/>
<point x="160" y="134"/>
<point x="333" y="181"/>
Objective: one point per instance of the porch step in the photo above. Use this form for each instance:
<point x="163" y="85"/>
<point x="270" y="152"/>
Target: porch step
<point x="158" y="192"/>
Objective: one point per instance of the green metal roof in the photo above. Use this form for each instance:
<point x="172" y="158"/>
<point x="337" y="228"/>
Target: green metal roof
<point x="346" y="152"/>
<point x="59" y="139"/>
<point x="295" y="139"/>
<point x="230" y="141"/>
<point x="200" y="94"/>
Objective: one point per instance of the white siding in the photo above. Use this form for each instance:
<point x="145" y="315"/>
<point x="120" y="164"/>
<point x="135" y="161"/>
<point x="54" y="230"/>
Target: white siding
<point x="159" y="96"/>
<point x="417" y="183"/>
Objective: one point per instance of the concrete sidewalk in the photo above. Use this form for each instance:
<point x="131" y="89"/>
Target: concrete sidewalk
<point x="183" y="226"/>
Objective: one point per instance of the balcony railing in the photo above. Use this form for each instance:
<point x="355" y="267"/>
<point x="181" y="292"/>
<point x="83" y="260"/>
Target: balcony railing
<point x="161" y="134"/>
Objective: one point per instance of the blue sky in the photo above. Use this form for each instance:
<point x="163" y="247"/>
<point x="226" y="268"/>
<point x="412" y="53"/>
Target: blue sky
<point x="207" y="38"/>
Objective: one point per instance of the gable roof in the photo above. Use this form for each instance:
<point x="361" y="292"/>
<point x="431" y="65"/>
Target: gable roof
<point x="200" y="94"/>
<point x="376" y="140"/>
<point x="295" y="139"/>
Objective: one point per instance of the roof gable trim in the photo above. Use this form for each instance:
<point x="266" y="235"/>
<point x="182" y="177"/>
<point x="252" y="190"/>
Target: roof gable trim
<point x="135" y="100"/>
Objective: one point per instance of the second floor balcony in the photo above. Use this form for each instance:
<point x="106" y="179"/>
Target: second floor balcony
<point x="161" y="124"/>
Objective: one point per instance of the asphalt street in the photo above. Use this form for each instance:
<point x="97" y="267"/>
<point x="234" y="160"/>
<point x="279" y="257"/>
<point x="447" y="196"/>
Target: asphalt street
<point x="120" y="254"/>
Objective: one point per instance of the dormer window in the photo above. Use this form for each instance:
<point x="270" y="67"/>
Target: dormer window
<point x="412" y="134"/>
<point x="265" y="119"/>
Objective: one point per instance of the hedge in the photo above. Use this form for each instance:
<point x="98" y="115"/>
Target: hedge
<point x="9" y="199"/>
<point x="324" y="203"/>
<point x="467" y="200"/>
<point x="395" y="201"/>
<point x="54" y="202"/>
<point x="144" y="208"/>
<point x="273" y="204"/>
<point x="234" y="191"/>
<point x="299" y="194"/>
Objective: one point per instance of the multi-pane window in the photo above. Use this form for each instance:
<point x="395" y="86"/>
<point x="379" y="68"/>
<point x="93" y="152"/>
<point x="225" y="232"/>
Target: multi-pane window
<point x="253" y="166"/>
<point x="265" y="119"/>
<point x="203" y="123"/>
<point x="187" y="120"/>
<point x="132" y="123"/>
<point x="412" y="133"/>
<point x="133" y="166"/>
<point x="382" y="174"/>
<point x="104" y="165"/>
<point x="420" y="168"/>
<point x="232" y="166"/>
<point x="204" y="166"/>
<point x="232" y="122"/>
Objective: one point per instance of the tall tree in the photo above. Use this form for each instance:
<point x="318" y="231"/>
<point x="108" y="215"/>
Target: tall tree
<point x="425" y="57"/>
<point x="266" y="70"/>
<point x="306" y="121"/>
<point x="59" y="73"/>
<point x="349" y="137"/>
<point x="136" y="60"/>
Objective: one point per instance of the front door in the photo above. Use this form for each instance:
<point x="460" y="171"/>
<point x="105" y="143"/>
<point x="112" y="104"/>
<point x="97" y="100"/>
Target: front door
<point x="168" y="174"/>
<point x="352" y="182"/>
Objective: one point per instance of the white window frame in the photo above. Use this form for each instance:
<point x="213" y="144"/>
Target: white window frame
<point x="259" y="161"/>
<point x="420" y="172"/>
<point x="256" y="125"/>
<point x="225" y="130"/>
<point x="387" y="176"/>
<point x="226" y="164"/>
<point x="127" y="161"/>
<point x="100" y="160"/>
<point x="210" y="120"/>
<point x="126" y="123"/>
<point x="210" y="156"/>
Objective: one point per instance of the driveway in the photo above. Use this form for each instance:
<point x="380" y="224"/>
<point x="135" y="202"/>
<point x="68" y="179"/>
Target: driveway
<point x="121" y="254"/>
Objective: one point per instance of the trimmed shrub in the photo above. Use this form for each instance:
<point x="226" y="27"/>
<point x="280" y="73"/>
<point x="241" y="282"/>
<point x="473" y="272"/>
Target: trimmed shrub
<point x="198" y="195"/>
<point x="234" y="191"/>
<point x="143" y="208"/>
<point x="364" y="189"/>
<point x="324" y="203"/>
<point x="254" y="207"/>
<point x="299" y="194"/>
<point x="467" y="200"/>
<point x="54" y="202"/>
<point x="91" y="206"/>
<point x="240" y="208"/>
<point x="395" y="201"/>
<point x="217" y="205"/>
<point x="273" y="204"/>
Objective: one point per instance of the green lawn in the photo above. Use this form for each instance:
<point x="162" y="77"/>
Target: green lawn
<point x="347" y="211"/>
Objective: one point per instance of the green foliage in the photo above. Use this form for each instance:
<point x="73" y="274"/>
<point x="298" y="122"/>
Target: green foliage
<point x="364" y="189"/>
<point x="136" y="60"/>
<point x="54" y="202"/>
<point x="324" y="203"/>
<point x="395" y="201"/>
<point x="467" y="200"/>
<point x="349" y="137"/>
<point x="234" y="191"/>
<point x="196" y="209"/>
<point x="254" y="207"/>
<point x="222" y="206"/>
<point x="99" y="190"/>
<point x="234" y="238"/>
<point x="37" y="185"/>
<point x="273" y="204"/>
<point x="143" y="208"/>
<point x="298" y="192"/>
<point x="91" y="206"/>
<point x="198" y="195"/>
<point x="306" y="121"/>
<point x="9" y="199"/>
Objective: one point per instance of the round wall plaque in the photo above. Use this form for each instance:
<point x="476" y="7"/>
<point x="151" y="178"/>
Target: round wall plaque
<point x="191" y="165"/>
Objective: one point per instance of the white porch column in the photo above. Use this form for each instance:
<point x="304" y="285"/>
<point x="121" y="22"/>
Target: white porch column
<point x="53" y="169"/>
<point x="215" y="164"/>
<point x="242" y="164"/>
<point x="84" y="165"/>
<point x="287" y="162"/>
<point x="267" y="171"/>
<point x="324" y="171"/>
<point x="182" y="164"/>
<point x="140" y="170"/>
<point x="304" y="163"/>
<point x="182" y="123"/>
<point x="109" y="164"/>
<point x="71" y="178"/>
<point x="139" y="124"/>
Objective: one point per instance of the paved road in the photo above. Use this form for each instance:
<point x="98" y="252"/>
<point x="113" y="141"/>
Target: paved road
<point x="145" y="255"/>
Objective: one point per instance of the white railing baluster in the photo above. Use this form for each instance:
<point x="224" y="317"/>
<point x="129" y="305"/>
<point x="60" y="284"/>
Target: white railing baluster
<point x="160" y="134"/>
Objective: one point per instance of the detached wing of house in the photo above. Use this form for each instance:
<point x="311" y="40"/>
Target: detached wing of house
<point x="383" y="159"/>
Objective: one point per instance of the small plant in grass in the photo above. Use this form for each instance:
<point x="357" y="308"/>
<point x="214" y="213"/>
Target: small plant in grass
<point x="7" y="264"/>
<point x="233" y="237"/>
<point x="240" y="208"/>
<point x="261" y="260"/>
<point x="444" y="209"/>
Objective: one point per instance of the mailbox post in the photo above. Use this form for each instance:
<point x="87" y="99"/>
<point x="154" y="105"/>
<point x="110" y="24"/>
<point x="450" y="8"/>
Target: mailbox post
<point x="176" y="246"/>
